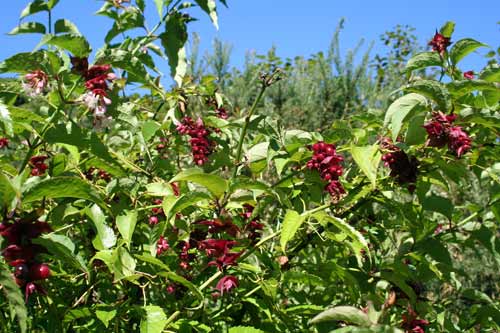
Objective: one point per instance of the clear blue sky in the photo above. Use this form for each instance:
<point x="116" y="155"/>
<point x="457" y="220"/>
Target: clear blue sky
<point x="295" y="27"/>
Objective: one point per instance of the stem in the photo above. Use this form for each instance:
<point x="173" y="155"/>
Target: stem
<point x="50" y="21"/>
<point x="245" y="128"/>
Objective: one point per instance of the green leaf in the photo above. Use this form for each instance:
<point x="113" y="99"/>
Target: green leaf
<point x="173" y="40"/>
<point x="7" y="192"/>
<point x="438" y="204"/>
<point x="159" y="7"/>
<point x="214" y="183"/>
<point x="490" y="74"/>
<point x="401" y="109"/>
<point x="447" y="29"/>
<point x="126" y="225"/>
<point x="13" y="295"/>
<point x="62" y="248"/>
<point x="77" y="45"/>
<point x="368" y="159"/>
<point x="105" y="316"/>
<point x="105" y="237"/>
<point x="416" y="133"/>
<point x="181" y="280"/>
<point x="149" y="129"/>
<point x="433" y="90"/>
<point x="244" y="329"/>
<point x="34" y="7"/>
<point x="357" y="242"/>
<point x="463" y="87"/>
<point x="159" y="189"/>
<point x="129" y="19"/>
<point x="28" y="28"/>
<point x="424" y="60"/>
<point x="347" y="314"/>
<point x="209" y="7"/>
<point x="5" y="119"/>
<point x="291" y="224"/>
<point x="462" y="48"/>
<point x="66" y="26"/>
<point x="173" y="205"/>
<point x="63" y="187"/>
<point x="155" y="320"/>
<point x="22" y="62"/>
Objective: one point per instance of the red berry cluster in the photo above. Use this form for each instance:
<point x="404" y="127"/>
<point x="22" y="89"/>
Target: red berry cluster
<point x="411" y="324"/>
<point x="38" y="166"/>
<point x="162" y="147"/>
<point x="21" y="252"/>
<point x="221" y="113"/>
<point x="220" y="250"/>
<point x="253" y="227"/>
<point x="97" y="173"/>
<point x="157" y="213"/>
<point x="220" y="226"/>
<point x="328" y="163"/>
<point x="4" y="142"/>
<point x="161" y="246"/>
<point x="441" y="132"/>
<point x="403" y="168"/>
<point x="201" y="145"/>
<point x="439" y="43"/>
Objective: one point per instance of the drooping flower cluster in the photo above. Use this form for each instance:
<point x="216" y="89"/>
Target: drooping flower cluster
<point x="201" y="145"/>
<point x="21" y="253"/>
<point x="220" y="226"/>
<point x="97" y="80"/>
<point x="225" y="285"/>
<point x="220" y="250"/>
<point x="403" y="168"/>
<point x="36" y="82"/>
<point x="221" y="113"/>
<point x="157" y="213"/>
<point x="441" y="132"/>
<point x="411" y="324"/>
<point x="4" y="143"/>
<point x="38" y="165"/>
<point x="328" y="163"/>
<point x="439" y="43"/>
<point x="253" y="227"/>
<point x="469" y="75"/>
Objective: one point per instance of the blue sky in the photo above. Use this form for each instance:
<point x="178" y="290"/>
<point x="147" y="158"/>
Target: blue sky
<point x="294" y="27"/>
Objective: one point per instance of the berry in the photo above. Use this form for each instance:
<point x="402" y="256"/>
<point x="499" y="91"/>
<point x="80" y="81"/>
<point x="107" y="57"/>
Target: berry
<point x="39" y="272"/>
<point x="327" y="162"/>
<point x="153" y="220"/>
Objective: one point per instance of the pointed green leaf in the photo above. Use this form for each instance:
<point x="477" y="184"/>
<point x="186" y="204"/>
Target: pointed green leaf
<point x="447" y="29"/>
<point x="77" y="45"/>
<point x="291" y="224"/>
<point x="368" y="159"/>
<point x="462" y="48"/>
<point x="244" y="329"/>
<point x="433" y="90"/>
<point x="214" y="183"/>
<point x="424" y="60"/>
<point x="348" y="314"/>
<point x="13" y="295"/>
<point x="126" y="225"/>
<point x="105" y="237"/>
<point x="155" y="320"/>
<point x="66" y="26"/>
<point x="173" y="40"/>
<point x="209" y="7"/>
<point x="5" y="119"/>
<point x="34" y="7"/>
<point x="62" y="248"/>
<point x="28" y="28"/>
<point x="401" y="109"/>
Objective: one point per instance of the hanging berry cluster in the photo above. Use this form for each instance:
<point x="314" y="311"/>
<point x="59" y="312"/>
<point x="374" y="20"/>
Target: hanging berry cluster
<point x="4" y="143"/>
<point x="439" y="43"/>
<point x="21" y="253"/>
<point x="253" y="227"/>
<point x="201" y="145"/>
<point x="38" y="165"/>
<point x="93" y="173"/>
<point x="441" y="132"/>
<point x="328" y="163"/>
<point x="403" y="168"/>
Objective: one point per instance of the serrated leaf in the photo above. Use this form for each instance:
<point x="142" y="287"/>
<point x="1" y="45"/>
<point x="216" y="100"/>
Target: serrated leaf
<point x="423" y="60"/>
<point x="14" y="296"/>
<point x="433" y="90"/>
<point x="290" y="226"/>
<point x="62" y="248"/>
<point x="63" y="187"/>
<point x="77" y="45"/>
<point x="105" y="237"/>
<point x="209" y="7"/>
<point x="368" y="159"/>
<point x="213" y="183"/>
<point x="28" y="28"/>
<point x="22" y="62"/>
<point x="401" y="109"/>
<point x="65" y="26"/>
<point x="462" y="48"/>
<point x="155" y="320"/>
<point x="126" y="225"/>
<point x="347" y="314"/>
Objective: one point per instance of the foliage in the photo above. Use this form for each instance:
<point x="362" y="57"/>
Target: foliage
<point x="191" y="210"/>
